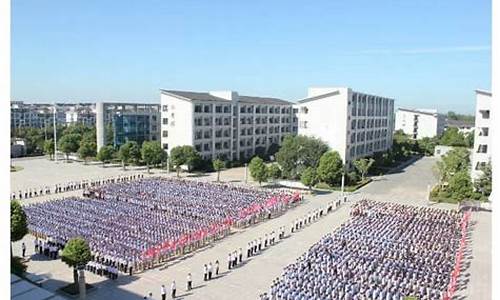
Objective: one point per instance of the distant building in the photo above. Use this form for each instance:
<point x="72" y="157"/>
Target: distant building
<point x="482" y="138"/>
<point x="420" y="123"/>
<point x="463" y="127"/>
<point x="40" y="115"/>
<point x="223" y="123"/>
<point x="17" y="147"/>
<point x="353" y="123"/>
<point x="117" y="123"/>
<point x="81" y="114"/>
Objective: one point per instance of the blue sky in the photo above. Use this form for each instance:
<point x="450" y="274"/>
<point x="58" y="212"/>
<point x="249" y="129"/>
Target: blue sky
<point x="425" y="54"/>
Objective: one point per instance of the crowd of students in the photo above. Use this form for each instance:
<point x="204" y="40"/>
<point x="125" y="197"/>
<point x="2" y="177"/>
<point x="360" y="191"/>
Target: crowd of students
<point x="138" y="223"/>
<point x="385" y="252"/>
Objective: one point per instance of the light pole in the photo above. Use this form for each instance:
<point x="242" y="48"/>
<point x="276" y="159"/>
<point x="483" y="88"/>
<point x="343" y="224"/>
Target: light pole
<point x="55" y="134"/>
<point x="246" y="173"/>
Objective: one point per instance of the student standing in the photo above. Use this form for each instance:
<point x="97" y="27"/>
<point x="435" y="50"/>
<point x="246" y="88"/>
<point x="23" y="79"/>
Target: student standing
<point x="23" y="246"/>
<point x="189" y="282"/>
<point x="173" y="288"/>
<point x="163" y="292"/>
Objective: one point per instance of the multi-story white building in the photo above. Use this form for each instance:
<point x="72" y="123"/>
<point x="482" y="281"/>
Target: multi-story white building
<point x="354" y="124"/>
<point x="224" y="124"/>
<point x="420" y="123"/>
<point x="481" y="154"/>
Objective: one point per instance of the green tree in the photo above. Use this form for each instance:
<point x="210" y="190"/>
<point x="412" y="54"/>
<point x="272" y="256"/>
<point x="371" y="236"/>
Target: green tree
<point x="452" y="137"/>
<point x="152" y="153"/>
<point x="105" y="154"/>
<point x="460" y="185"/>
<point x="48" y="148"/>
<point x="363" y="165"/>
<point x="258" y="169"/>
<point x="69" y="143"/>
<point x="469" y="139"/>
<point x="184" y="155"/>
<point x="330" y="168"/>
<point x="483" y="183"/>
<point x="274" y="172"/>
<point x="18" y="223"/>
<point x="128" y="152"/>
<point x="76" y="254"/>
<point x="427" y="145"/>
<point x="218" y="165"/>
<point x="455" y="160"/>
<point x="309" y="177"/>
<point x="87" y="149"/>
<point x="299" y="152"/>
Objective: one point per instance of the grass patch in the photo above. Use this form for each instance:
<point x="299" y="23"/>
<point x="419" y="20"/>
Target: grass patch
<point x="347" y="188"/>
<point x="72" y="289"/>
<point x="16" y="168"/>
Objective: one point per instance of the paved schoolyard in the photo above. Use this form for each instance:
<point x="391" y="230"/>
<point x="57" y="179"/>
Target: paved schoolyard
<point x="408" y="186"/>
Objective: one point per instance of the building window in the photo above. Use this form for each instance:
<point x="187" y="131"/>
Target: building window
<point x="165" y="121"/>
<point x="164" y="108"/>
<point x="482" y="149"/>
<point x="484" y="131"/>
<point x="165" y="146"/>
<point x="198" y="108"/>
<point x="165" y="133"/>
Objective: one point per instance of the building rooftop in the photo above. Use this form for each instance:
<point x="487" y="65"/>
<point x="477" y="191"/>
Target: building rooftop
<point x="319" y="97"/>
<point x="484" y="92"/>
<point x="420" y="111"/>
<point x="262" y="100"/>
<point x="459" y="123"/>
<point x="205" y="96"/>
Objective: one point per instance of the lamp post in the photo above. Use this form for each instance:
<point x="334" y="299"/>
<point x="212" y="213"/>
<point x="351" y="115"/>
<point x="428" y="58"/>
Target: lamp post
<point x="55" y="134"/>
<point x="246" y="173"/>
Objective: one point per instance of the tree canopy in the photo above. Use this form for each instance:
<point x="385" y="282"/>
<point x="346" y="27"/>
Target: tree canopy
<point x="258" y="169"/>
<point x="48" y="147"/>
<point x="69" y="143"/>
<point x="452" y="137"/>
<point x="76" y="252"/>
<point x="460" y="185"/>
<point x="129" y="152"/>
<point x="483" y="183"/>
<point x="152" y="153"/>
<point x="299" y="152"/>
<point x="184" y="155"/>
<point x="309" y="177"/>
<point x="330" y="168"/>
<point x="105" y="154"/>
<point x="363" y="166"/>
<point x="18" y="222"/>
<point x="274" y="171"/>
<point x="87" y="149"/>
<point x="218" y="165"/>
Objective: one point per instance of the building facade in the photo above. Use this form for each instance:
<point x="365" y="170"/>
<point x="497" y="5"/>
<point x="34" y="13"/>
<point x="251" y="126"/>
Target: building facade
<point x="224" y="124"/>
<point x="482" y="151"/>
<point x="420" y="123"/>
<point x="117" y="123"/>
<point x="40" y="115"/>
<point x="354" y="124"/>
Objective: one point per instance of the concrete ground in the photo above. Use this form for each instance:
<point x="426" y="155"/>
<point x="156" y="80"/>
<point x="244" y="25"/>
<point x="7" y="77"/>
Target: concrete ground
<point x="254" y="277"/>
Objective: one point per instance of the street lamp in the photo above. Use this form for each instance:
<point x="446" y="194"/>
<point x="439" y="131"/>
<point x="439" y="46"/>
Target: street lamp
<point x="55" y="134"/>
<point x="246" y="173"/>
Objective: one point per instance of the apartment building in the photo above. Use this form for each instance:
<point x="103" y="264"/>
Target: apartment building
<point x="420" y="123"/>
<point x="482" y="151"/>
<point x="81" y="114"/>
<point x="117" y="123"/>
<point x="224" y="124"/>
<point x="40" y="115"/>
<point x="353" y="123"/>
